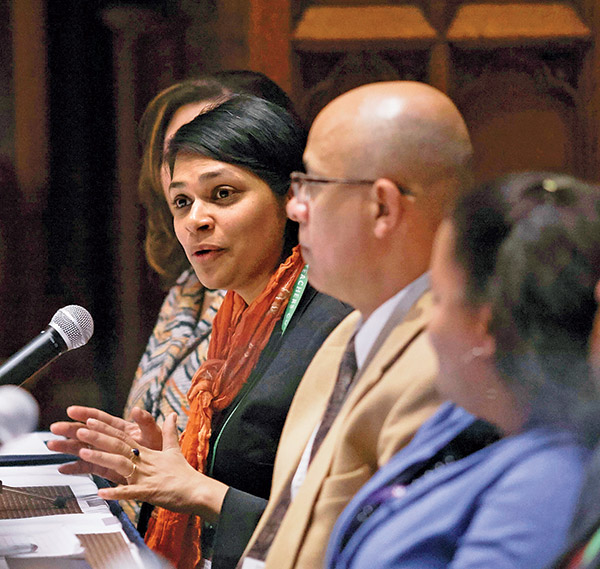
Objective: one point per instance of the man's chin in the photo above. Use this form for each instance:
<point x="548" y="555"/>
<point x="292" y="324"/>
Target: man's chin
<point x="317" y="281"/>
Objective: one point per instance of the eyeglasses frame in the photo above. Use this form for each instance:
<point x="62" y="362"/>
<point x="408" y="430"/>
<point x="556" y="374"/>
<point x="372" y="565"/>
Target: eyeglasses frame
<point x="298" y="178"/>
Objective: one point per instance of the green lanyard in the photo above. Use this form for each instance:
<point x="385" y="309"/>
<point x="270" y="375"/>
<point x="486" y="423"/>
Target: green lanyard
<point x="592" y="549"/>
<point x="299" y="287"/>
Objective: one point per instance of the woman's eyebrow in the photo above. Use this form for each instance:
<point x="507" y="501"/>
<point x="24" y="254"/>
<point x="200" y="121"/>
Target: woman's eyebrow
<point x="202" y="177"/>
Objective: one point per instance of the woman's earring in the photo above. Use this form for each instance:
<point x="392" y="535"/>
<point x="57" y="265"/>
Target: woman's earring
<point x="472" y="354"/>
<point x="491" y="393"/>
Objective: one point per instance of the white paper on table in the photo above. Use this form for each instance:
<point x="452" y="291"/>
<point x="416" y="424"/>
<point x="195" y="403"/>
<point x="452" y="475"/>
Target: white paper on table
<point x="47" y="475"/>
<point x="76" y="523"/>
<point x="96" y="516"/>
<point x="51" y="541"/>
<point x="31" y="443"/>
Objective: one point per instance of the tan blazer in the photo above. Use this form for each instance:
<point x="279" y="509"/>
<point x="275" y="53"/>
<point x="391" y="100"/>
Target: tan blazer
<point x="393" y="396"/>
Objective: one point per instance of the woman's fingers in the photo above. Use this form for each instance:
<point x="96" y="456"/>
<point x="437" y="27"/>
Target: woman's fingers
<point x="105" y="429"/>
<point x="109" y="461"/>
<point x="104" y="442"/>
<point x="78" y="467"/>
<point x="82" y="414"/>
<point x="82" y="467"/>
<point x="142" y="417"/>
<point x="68" y="446"/>
<point x="66" y="428"/>
<point x="150" y="434"/>
<point x="111" y="436"/>
<point x="170" y="435"/>
<point x="120" y="493"/>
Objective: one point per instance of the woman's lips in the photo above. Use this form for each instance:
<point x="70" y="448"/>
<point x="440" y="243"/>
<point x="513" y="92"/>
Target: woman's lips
<point x="207" y="254"/>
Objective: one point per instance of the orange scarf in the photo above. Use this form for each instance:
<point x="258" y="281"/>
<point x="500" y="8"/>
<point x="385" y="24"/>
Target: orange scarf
<point x="240" y="333"/>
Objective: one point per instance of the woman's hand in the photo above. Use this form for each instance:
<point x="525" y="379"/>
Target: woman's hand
<point x="161" y="477"/>
<point x="144" y="431"/>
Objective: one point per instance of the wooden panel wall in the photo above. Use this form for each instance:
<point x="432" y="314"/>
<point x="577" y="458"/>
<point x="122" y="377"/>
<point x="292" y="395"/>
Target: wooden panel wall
<point x="30" y="90"/>
<point x="147" y="50"/>
<point x="525" y="73"/>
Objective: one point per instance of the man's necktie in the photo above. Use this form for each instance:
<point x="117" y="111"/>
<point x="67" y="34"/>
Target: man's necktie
<point x="346" y="373"/>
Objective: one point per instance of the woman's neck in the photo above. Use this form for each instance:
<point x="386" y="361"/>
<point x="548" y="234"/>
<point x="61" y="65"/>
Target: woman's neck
<point x="502" y="408"/>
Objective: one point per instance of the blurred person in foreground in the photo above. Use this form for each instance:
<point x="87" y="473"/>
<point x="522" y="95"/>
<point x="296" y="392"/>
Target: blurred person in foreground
<point x="583" y="546"/>
<point x="384" y="162"/>
<point x="513" y="275"/>
<point x="230" y="182"/>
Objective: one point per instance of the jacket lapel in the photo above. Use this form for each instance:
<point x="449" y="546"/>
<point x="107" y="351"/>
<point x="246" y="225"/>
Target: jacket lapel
<point x="309" y="402"/>
<point x="390" y="348"/>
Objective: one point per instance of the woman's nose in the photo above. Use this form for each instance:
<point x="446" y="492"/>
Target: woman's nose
<point x="296" y="210"/>
<point x="200" y="218"/>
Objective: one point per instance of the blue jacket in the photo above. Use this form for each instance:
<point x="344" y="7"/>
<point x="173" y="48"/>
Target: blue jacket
<point x="506" y="506"/>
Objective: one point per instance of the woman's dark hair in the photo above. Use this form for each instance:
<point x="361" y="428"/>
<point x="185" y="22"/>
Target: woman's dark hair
<point x="251" y="133"/>
<point x="163" y="251"/>
<point x="529" y="245"/>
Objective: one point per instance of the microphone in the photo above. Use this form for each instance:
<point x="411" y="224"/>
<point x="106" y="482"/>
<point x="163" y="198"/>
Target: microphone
<point x="71" y="327"/>
<point x="18" y="413"/>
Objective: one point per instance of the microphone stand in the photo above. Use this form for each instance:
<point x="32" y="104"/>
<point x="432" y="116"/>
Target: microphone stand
<point x="58" y="502"/>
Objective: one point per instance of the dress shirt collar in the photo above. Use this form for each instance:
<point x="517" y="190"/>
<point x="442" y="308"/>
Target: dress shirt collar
<point x="393" y="311"/>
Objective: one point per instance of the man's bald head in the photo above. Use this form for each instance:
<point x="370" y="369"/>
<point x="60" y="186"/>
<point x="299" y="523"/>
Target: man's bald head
<point x="402" y="153"/>
<point x="402" y="130"/>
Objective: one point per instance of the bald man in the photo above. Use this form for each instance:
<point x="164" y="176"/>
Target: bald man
<point x="384" y="163"/>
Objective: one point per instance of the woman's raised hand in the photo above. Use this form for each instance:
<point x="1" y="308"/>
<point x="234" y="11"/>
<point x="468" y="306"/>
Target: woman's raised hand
<point x="161" y="477"/>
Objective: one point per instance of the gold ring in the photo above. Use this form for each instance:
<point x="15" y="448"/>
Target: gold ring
<point x="132" y="471"/>
<point x="133" y="454"/>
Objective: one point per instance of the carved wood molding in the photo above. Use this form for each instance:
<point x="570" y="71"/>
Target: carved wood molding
<point x="552" y="77"/>
<point x="352" y="28"/>
<point x="499" y="24"/>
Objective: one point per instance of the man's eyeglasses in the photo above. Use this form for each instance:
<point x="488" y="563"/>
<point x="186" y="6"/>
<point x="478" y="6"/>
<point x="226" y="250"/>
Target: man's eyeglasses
<point x="300" y="184"/>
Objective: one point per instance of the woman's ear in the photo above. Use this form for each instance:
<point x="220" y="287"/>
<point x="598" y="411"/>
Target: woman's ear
<point x="594" y="341"/>
<point x="389" y="207"/>
<point x="288" y="196"/>
<point x="486" y="341"/>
